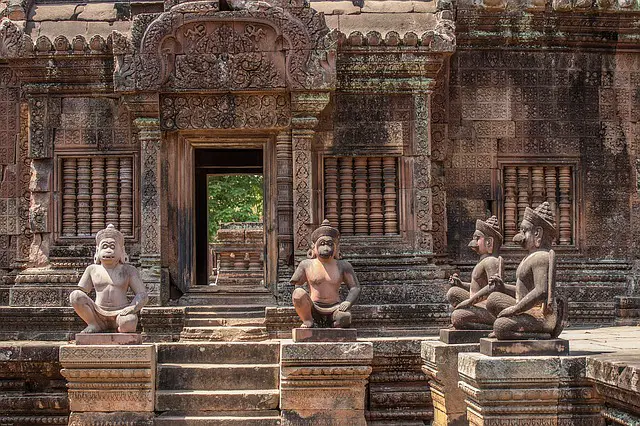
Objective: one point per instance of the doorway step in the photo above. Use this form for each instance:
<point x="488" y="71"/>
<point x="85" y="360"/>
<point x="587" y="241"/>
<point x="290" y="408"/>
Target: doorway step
<point x="233" y="323"/>
<point x="218" y="383"/>
<point x="227" y="295"/>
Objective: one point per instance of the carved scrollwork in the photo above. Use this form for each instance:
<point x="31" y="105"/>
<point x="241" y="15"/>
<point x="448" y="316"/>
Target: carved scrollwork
<point x="254" y="46"/>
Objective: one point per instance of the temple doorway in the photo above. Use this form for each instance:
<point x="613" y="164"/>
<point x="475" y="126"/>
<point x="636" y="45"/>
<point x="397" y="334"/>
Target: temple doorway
<point x="229" y="206"/>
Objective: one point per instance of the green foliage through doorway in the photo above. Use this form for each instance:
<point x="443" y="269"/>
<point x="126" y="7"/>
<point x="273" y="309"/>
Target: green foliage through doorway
<point x="233" y="198"/>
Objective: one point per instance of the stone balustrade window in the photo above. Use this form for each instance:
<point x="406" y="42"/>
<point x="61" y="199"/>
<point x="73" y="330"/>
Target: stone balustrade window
<point x="527" y="185"/>
<point x="361" y="194"/>
<point x="95" y="191"/>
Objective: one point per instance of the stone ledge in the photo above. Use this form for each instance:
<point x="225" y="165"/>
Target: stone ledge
<point x="456" y="337"/>
<point x="324" y="335"/>
<point x="552" y="347"/>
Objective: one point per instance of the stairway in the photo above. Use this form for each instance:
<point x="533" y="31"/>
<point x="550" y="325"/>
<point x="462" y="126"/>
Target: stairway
<point x="232" y="323"/>
<point x="218" y="383"/>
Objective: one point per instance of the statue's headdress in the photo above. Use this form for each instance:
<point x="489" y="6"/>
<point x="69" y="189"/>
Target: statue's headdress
<point x="541" y="216"/>
<point x="325" y="230"/>
<point x="490" y="228"/>
<point x="110" y="232"/>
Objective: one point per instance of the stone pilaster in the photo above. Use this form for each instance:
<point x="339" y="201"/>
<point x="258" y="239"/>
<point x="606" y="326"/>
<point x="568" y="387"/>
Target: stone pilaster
<point x="420" y="190"/>
<point x="284" y="182"/>
<point x="324" y="383"/>
<point x="541" y="390"/>
<point x="305" y="108"/>
<point x="440" y="364"/>
<point x="150" y="248"/>
<point x="118" y="379"/>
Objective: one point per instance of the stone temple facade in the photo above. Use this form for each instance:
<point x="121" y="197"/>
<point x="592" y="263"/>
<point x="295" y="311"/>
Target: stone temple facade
<point x="401" y="122"/>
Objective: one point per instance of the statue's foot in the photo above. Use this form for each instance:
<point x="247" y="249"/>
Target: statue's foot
<point x="491" y="335"/>
<point x="91" y="329"/>
<point x="307" y="324"/>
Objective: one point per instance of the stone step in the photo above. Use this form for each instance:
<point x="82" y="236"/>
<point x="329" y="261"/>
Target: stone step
<point x="228" y="400"/>
<point x="218" y="376"/>
<point x="204" y="321"/>
<point x="219" y="353"/>
<point x="219" y="418"/>
<point x="224" y="334"/>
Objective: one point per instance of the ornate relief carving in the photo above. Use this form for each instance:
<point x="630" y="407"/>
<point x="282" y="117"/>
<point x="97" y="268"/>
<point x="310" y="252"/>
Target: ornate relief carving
<point x="207" y="48"/>
<point x="225" y="111"/>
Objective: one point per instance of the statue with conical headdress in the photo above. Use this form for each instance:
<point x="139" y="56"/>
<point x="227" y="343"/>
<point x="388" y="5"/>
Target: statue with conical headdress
<point x="532" y="309"/>
<point x="469" y="299"/>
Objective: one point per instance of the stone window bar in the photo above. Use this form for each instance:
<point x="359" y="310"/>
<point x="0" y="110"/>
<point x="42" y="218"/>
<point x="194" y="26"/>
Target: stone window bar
<point x="361" y="194"/>
<point x="96" y="191"/>
<point x="529" y="185"/>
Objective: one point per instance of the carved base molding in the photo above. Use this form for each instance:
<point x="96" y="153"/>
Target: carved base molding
<point x="525" y="391"/>
<point x="615" y="377"/>
<point x="324" y="383"/>
<point x="398" y="390"/>
<point x="440" y="364"/>
<point x="109" y="378"/>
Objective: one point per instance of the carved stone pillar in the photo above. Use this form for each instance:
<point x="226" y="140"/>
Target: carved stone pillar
<point x="324" y="383"/>
<point x="150" y="238"/>
<point x="421" y="191"/>
<point x="305" y="108"/>
<point x="284" y="182"/>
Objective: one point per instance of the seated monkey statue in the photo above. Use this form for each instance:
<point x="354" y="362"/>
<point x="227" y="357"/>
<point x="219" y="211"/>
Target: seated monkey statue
<point x="111" y="277"/>
<point x="324" y="272"/>
<point x="468" y="299"/>
<point x="530" y="309"/>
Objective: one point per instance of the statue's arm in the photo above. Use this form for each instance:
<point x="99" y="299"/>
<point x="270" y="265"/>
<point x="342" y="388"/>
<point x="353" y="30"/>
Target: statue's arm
<point x="85" y="283"/>
<point x="537" y="295"/>
<point x="455" y="281"/>
<point x="491" y="267"/>
<point x="300" y="275"/>
<point x="350" y="279"/>
<point x="137" y="285"/>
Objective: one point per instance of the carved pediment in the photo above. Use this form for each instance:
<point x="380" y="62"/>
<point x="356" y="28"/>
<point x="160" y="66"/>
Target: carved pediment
<point x="196" y="46"/>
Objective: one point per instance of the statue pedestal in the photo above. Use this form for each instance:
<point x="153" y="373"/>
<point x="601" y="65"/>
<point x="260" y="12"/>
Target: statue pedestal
<point x="522" y="391"/>
<point x="455" y="337"/>
<point x="324" y="335"/>
<point x="108" y="339"/>
<point x="440" y="364"/>
<point x="324" y="383"/>
<point x="551" y="347"/>
<point x="110" y="384"/>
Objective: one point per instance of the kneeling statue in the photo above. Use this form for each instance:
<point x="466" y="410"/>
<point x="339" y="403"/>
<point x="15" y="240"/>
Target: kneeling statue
<point x="325" y="273"/>
<point x="535" y="312"/>
<point x="111" y="277"/>
<point x="469" y="299"/>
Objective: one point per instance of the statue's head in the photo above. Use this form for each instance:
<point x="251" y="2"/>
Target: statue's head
<point x="537" y="229"/>
<point x="325" y="241"/>
<point x="110" y="247"/>
<point x="487" y="239"/>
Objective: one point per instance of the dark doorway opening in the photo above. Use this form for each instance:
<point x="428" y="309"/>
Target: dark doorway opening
<point x="211" y="163"/>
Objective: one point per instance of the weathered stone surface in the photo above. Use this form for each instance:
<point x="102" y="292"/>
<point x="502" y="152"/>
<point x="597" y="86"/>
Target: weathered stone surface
<point x="324" y="383"/>
<point x="108" y="339"/>
<point x="112" y="419"/>
<point x="519" y="389"/>
<point x="324" y="335"/>
<point x="440" y="364"/>
<point x="452" y="336"/>
<point x="398" y="390"/>
<point x="551" y="347"/>
<point x="100" y="378"/>
<point x="615" y="377"/>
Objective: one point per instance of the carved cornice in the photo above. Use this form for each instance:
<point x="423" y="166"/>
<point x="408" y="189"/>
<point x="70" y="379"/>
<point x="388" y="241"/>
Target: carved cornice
<point x="559" y="23"/>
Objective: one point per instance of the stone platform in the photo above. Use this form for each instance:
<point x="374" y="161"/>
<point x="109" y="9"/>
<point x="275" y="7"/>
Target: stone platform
<point x="324" y="335"/>
<point x="551" y="347"/>
<point x="108" y="339"/>
<point x="453" y="336"/>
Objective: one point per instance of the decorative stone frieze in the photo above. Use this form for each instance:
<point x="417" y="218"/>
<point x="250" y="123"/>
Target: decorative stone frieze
<point x="551" y="390"/>
<point x="109" y="378"/>
<point x="324" y="383"/>
<point x="440" y="364"/>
